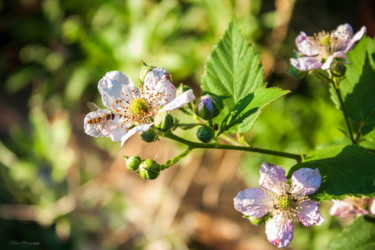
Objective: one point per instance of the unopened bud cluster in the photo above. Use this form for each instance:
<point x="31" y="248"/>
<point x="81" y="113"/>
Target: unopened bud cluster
<point x="147" y="169"/>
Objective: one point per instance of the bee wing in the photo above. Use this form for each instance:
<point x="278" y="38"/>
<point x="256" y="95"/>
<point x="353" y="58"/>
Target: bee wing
<point x="92" y="106"/>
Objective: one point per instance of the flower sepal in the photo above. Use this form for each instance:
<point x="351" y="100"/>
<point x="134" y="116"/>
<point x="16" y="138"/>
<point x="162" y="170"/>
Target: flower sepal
<point x="164" y="121"/>
<point x="338" y="68"/>
<point x="150" y="135"/>
<point x="296" y="73"/>
<point x="257" y="221"/>
<point x="182" y="89"/>
<point x="144" y="71"/>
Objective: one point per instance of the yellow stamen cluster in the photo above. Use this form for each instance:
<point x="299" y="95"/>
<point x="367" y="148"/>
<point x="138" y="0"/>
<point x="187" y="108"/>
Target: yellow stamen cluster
<point x="287" y="203"/>
<point x="327" y="43"/>
<point x="136" y="108"/>
<point x="284" y="202"/>
<point x="139" y="106"/>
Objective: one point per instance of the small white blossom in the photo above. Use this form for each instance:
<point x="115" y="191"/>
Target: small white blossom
<point x="130" y="109"/>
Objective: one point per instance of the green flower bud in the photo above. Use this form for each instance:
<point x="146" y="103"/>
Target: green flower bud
<point x="205" y="134"/>
<point x="149" y="169"/>
<point x="132" y="162"/>
<point x="207" y="107"/>
<point x="257" y="221"/>
<point x="144" y="71"/>
<point x="163" y="121"/>
<point x="181" y="89"/>
<point x="338" y="69"/>
<point x="149" y="136"/>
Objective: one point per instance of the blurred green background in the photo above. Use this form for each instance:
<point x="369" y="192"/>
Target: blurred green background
<point x="65" y="190"/>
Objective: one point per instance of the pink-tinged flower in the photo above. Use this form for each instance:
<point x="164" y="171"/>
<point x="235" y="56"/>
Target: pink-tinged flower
<point x="371" y="206"/>
<point x="320" y="50"/>
<point x="283" y="202"/>
<point x="130" y="109"/>
<point x="348" y="206"/>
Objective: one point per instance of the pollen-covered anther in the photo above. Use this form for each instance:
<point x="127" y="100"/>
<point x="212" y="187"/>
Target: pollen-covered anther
<point x="139" y="106"/>
<point x="284" y="202"/>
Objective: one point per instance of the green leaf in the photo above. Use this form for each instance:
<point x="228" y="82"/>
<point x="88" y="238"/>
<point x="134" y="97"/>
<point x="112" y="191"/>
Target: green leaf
<point x="359" y="235"/>
<point x="358" y="87"/>
<point x="247" y="110"/>
<point x="233" y="71"/>
<point x="345" y="170"/>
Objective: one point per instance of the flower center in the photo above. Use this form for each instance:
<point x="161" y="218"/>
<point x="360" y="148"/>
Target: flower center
<point x="139" y="106"/>
<point x="284" y="202"/>
<point x="326" y="40"/>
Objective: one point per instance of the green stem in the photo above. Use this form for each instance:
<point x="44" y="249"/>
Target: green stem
<point x="338" y="92"/>
<point x="174" y="160"/>
<point x="193" y="145"/>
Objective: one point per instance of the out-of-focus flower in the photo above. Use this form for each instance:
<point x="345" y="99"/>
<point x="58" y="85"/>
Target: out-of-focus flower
<point x="284" y="203"/>
<point x="131" y="110"/>
<point x="320" y="50"/>
<point x="371" y="206"/>
<point x="349" y="206"/>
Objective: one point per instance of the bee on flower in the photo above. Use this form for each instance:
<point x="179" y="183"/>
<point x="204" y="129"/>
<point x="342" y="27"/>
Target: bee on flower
<point x="282" y="203"/>
<point x="133" y="109"/>
<point x="320" y="50"/>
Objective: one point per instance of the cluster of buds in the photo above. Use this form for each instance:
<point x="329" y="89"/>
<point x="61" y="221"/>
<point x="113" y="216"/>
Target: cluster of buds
<point x="148" y="169"/>
<point x="163" y="122"/>
<point x="207" y="108"/>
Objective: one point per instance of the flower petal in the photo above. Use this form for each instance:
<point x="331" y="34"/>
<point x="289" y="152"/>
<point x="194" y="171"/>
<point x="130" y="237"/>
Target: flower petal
<point x="272" y="178"/>
<point x="279" y="230"/>
<point x="329" y="60"/>
<point x="305" y="181"/>
<point x="342" y="35"/>
<point x="158" y="87"/>
<point x="306" y="63"/>
<point x="132" y="131"/>
<point x="108" y="128"/>
<point x="179" y="101"/>
<point x="116" y="88"/>
<point x="355" y="38"/>
<point x="306" y="45"/>
<point x="309" y="213"/>
<point x="252" y="202"/>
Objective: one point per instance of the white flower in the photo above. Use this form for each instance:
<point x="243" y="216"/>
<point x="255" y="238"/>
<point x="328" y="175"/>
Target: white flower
<point x="130" y="109"/>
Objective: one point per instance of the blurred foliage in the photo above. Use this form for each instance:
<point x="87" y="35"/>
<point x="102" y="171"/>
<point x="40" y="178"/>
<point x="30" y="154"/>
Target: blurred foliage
<point x="52" y="55"/>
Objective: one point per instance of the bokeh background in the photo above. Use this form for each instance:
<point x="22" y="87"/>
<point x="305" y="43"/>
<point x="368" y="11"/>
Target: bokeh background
<point x="65" y="190"/>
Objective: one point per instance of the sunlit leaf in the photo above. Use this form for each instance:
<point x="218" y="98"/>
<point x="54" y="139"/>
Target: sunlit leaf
<point x="345" y="170"/>
<point x="358" y="87"/>
<point x="233" y="71"/>
<point x="247" y="110"/>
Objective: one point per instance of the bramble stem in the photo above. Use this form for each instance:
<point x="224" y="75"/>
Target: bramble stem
<point x="335" y="83"/>
<point x="193" y="145"/>
<point x="175" y="159"/>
